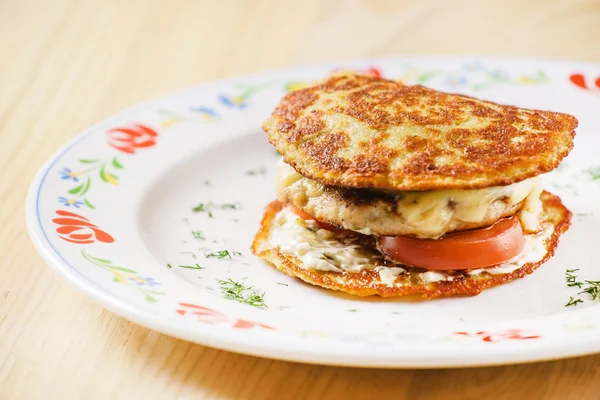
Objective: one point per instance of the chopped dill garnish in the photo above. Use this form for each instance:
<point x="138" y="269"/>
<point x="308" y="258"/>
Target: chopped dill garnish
<point x="282" y="284"/>
<point x="593" y="289"/>
<point x="244" y="294"/>
<point x="594" y="173"/>
<point x="254" y="172"/>
<point x="573" y="302"/>
<point x="222" y="254"/>
<point x="189" y="252"/>
<point x="209" y="207"/>
<point x="198" y="235"/>
<point x="169" y="266"/>
<point x="196" y="266"/>
<point x="201" y="207"/>
<point x="353" y="310"/>
<point x="571" y="278"/>
<point x="231" y="206"/>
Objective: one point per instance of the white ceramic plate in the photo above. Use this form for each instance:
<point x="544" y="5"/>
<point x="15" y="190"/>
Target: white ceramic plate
<point x="112" y="208"/>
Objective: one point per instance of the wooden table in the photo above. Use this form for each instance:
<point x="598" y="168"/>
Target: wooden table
<point x="67" y="64"/>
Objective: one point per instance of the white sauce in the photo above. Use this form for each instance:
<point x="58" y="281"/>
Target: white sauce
<point x="316" y="248"/>
<point x="432" y="276"/>
<point x="319" y="249"/>
<point x="388" y="275"/>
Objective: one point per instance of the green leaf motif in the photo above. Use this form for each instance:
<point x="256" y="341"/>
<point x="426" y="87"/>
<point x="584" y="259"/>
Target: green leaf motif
<point x="116" y="163"/>
<point x="101" y="260"/>
<point x="103" y="174"/>
<point x="129" y="271"/>
<point x="479" y="86"/>
<point x="424" y="77"/>
<point x="122" y="275"/>
<point x="87" y="186"/>
<point x="150" y="299"/>
<point x="87" y="161"/>
<point x="76" y="189"/>
<point x="153" y="292"/>
<point x="87" y="203"/>
<point x="107" y="176"/>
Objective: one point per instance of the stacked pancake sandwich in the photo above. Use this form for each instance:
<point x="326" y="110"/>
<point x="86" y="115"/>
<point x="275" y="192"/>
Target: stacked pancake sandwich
<point x="391" y="190"/>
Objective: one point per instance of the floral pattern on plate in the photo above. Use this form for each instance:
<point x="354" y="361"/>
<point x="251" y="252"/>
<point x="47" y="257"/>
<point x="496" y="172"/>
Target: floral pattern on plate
<point x="84" y="177"/>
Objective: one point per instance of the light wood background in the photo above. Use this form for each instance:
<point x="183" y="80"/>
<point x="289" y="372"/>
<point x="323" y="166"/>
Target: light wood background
<point x="64" y="65"/>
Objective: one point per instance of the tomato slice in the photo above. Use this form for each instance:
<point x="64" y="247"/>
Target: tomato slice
<point x="307" y="217"/>
<point x="478" y="248"/>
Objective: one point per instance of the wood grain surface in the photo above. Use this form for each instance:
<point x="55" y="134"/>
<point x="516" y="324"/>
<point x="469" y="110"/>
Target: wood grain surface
<point x="64" y="65"/>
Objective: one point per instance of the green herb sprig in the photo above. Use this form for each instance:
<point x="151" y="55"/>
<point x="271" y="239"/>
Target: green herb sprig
<point x="210" y="207"/>
<point x="573" y="302"/>
<point x="198" y="235"/>
<point x="571" y="278"/>
<point x="254" y="172"/>
<point x="222" y="254"/>
<point x="593" y="289"/>
<point x="239" y="292"/>
<point x="195" y="266"/>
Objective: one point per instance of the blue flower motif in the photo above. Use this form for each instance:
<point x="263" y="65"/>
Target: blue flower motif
<point x="473" y="66"/>
<point x="205" y="112"/>
<point x="233" y="101"/>
<point x="456" y="80"/>
<point x="500" y="75"/>
<point x="140" y="281"/>
<point x="70" y="202"/>
<point x="68" y="174"/>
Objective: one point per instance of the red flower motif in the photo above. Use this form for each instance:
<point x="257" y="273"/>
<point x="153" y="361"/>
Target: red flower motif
<point x="210" y="316"/>
<point x="370" y="71"/>
<point x="77" y="229"/>
<point x="204" y="314"/>
<point x="243" y="324"/>
<point x="374" y="72"/>
<point x="128" y="140"/>
<point x="581" y="81"/>
<point x="495" y="337"/>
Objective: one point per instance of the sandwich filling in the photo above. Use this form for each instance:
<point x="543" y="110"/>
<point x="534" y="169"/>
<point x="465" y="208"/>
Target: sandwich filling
<point x="426" y="214"/>
<point x="323" y="250"/>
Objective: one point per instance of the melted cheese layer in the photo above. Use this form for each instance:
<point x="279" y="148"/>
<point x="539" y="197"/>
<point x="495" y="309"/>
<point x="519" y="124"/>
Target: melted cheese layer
<point x="424" y="214"/>
<point x="436" y="207"/>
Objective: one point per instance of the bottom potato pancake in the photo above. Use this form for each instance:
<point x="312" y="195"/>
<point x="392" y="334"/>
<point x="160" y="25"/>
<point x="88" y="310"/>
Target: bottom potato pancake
<point x="350" y="262"/>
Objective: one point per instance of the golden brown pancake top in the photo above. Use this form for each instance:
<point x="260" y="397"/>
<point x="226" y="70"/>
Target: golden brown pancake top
<point x="361" y="131"/>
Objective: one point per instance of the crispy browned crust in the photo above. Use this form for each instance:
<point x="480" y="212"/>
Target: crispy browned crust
<point x="367" y="283"/>
<point x="360" y="131"/>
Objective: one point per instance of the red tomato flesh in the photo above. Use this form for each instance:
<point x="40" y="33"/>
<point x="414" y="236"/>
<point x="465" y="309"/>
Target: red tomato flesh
<point x="477" y="248"/>
<point x="307" y="217"/>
